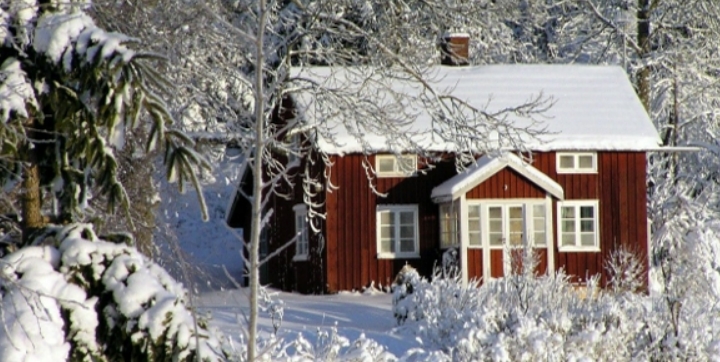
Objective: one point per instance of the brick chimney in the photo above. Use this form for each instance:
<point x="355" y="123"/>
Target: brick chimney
<point x="454" y="49"/>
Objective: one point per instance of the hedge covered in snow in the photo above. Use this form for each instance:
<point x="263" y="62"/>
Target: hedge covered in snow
<point x="77" y="297"/>
<point x="544" y="318"/>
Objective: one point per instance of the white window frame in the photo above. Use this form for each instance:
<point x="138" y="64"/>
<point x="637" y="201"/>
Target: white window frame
<point x="578" y="247"/>
<point x="302" y="232"/>
<point x="397" y="171"/>
<point x="528" y="220"/>
<point x="453" y="215"/>
<point x="576" y="162"/>
<point x="395" y="210"/>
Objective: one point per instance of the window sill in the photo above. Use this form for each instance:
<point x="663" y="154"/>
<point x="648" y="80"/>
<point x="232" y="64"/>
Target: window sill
<point x="300" y="258"/>
<point x="575" y="249"/>
<point x="585" y="172"/>
<point x="398" y="256"/>
<point x="396" y="175"/>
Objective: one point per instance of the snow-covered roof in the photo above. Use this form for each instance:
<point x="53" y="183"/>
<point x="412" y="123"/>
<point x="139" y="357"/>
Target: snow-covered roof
<point x="595" y="107"/>
<point x="486" y="167"/>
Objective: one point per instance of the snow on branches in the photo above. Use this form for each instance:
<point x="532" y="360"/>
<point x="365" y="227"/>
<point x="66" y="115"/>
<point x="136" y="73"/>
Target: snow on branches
<point x="91" y="299"/>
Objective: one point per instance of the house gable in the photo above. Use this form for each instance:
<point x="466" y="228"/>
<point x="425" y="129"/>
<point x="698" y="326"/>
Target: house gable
<point x="484" y="169"/>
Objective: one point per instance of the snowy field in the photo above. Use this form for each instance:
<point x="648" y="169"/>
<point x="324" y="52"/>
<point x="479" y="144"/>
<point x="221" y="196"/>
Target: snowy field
<point x="353" y="314"/>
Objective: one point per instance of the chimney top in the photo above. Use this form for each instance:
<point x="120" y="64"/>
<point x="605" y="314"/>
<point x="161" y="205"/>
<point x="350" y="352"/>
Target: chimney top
<point x="454" y="49"/>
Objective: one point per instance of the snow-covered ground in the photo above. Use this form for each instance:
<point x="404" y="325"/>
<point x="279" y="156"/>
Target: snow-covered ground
<point x="191" y="248"/>
<point x="352" y="314"/>
<point x="208" y="247"/>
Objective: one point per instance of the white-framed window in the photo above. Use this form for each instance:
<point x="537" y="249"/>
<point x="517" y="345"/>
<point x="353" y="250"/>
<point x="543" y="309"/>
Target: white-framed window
<point x="516" y="223"/>
<point x="449" y="225"/>
<point x="474" y="228"/>
<point x="576" y="162"/>
<point x="397" y="231"/>
<point x="302" y="243"/>
<point x="395" y="165"/>
<point x="578" y="226"/>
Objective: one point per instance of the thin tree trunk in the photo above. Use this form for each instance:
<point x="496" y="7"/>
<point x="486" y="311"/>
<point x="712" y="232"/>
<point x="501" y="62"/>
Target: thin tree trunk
<point x="31" y="200"/>
<point x="258" y="181"/>
<point x="643" y="37"/>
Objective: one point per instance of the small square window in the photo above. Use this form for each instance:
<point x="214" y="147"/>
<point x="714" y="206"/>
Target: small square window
<point x="395" y="165"/>
<point x="577" y="162"/>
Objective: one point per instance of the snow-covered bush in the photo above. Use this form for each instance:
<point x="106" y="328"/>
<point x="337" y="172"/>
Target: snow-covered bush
<point x="523" y="317"/>
<point x="77" y="297"/>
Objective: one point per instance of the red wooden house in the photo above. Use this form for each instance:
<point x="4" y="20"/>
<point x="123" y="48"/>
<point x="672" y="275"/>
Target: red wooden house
<point x="581" y="193"/>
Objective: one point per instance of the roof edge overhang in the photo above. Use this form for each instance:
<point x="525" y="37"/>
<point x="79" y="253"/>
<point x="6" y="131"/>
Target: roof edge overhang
<point x="486" y="167"/>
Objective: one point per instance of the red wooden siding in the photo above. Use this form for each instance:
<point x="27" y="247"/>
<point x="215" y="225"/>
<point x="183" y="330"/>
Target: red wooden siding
<point x="349" y="257"/>
<point x="475" y="263"/>
<point x="507" y="183"/>
<point x="352" y="261"/>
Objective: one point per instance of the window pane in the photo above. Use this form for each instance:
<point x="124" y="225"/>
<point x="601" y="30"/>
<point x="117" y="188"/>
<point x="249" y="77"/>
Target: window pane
<point x="516" y="212"/>
<point x="474" y="239"/>
<point x="407" y="245"/>
<point x="386" y="164"/>
<point x="386" y="246"/>
<point x="445" y="210"/>
<point x="568" y="239"/>
<point x="407" y="164"/>
<point x="538" y="210"/>
<point x="585" y="162"/>
<point x="496" y="226"/>
<point x="567" y="161"/>
<point x="586" y="212"/>
<point x="515" y="238"/>
<point x="495" y="239"/>
<point x="407" y="217"/>
<point x="386" y="218"/>
<point x="568" y="226"/>
<point x="567" y="212"/>
<point x="474" y="211"/>
<point x="539" y="238"/>
<point x="495" y="212"/>
<point x="407" y="231"/>
<point x="516" y="226"/>
<point x="587" y="225"/>
<point x="539" y="224"/>
<point x="474" y="225"/>
<point x="387" y="232"/>
<point x="587" y="239"/>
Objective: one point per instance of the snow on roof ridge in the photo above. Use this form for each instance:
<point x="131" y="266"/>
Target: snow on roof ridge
<point x="596" y="107"/>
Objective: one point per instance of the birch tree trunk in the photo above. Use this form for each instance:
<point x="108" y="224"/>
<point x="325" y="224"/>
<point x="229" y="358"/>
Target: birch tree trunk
<point x="258" y="180"/>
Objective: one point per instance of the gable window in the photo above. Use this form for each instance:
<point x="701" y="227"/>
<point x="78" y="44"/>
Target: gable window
<point x="397" y="231"/>
<point x="302" y="241"/>
<point x="395" y="165"/>
<point x="449" y="225"/>
<point x="578" y="225"/>
<point x="578" y="162"/>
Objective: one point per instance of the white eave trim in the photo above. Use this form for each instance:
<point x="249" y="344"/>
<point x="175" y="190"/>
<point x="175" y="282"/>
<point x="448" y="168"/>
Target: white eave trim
<point x="486" y="167"/>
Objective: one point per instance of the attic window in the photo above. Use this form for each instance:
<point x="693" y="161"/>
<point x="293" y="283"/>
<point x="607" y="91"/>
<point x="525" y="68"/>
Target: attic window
<point x="395" y="165"/>
<point x="585" y="162"/>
